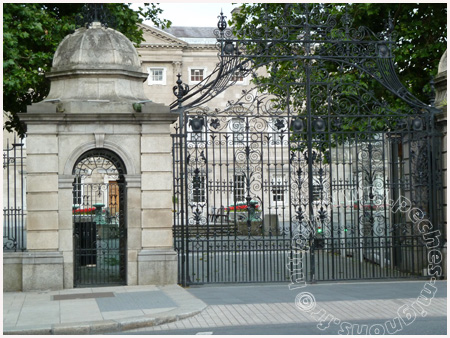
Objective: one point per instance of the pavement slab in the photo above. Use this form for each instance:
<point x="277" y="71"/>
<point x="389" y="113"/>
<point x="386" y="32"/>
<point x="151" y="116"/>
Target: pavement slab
<point x="96" y="310"/>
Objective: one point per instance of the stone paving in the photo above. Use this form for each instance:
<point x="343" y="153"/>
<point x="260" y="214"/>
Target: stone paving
<point x="96" y="310"/>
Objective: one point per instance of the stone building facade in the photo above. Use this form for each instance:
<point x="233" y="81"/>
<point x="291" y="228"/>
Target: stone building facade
<point x="189" y="51"/>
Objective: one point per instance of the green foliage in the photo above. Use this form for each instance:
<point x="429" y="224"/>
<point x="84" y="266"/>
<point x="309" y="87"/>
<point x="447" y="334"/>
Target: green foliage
<point x="422" y="38"/>
<point x="421" y="41"/>
<point x="421" y="30"/>
<point x="31" y="34"/>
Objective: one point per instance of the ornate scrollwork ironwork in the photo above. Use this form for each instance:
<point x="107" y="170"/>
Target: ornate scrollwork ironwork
<point x="323" y="154"/>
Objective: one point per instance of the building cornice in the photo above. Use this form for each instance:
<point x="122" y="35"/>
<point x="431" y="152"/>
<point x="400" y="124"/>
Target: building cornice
<point x="188" y="47"/>
<point x="98" y="118"/>
<point x="162" y="35"/>
<point x="159" y="45"/>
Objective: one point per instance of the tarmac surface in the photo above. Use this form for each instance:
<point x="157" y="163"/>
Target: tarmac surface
<point x="214" y="308"/>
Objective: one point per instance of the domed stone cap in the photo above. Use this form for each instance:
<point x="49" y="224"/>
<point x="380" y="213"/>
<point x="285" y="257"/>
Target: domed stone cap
<point x="96" y="47"/>
<point x="96" y="63"/>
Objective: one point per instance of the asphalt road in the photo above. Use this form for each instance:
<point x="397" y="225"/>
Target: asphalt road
<point x="213" y="294"/>
<point x="363" y="294"/>
<point x="422" y="326"/>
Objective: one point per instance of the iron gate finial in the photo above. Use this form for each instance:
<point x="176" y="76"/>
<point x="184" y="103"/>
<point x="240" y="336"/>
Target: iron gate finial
<point x="222" y="24"/>
<point x="180" y="90"/>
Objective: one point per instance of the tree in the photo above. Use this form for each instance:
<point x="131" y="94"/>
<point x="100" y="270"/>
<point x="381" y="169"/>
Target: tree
<point x="281" y="39"/>
<point x="31" y="34"/>
<point x="421" y="31"/>
<point x="422" y="38"/>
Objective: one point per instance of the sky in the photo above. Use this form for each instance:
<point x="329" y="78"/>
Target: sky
<point x="197" y="14"/>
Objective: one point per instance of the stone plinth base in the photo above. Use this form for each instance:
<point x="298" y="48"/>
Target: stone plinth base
<point x="12" y="271"/>
<point x="42" y="271"/>
<point x="157" y="267"/>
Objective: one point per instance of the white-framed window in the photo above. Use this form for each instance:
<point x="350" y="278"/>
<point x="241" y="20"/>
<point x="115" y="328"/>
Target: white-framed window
<point x="239" y="187"/>
<point x="278" y="188"/>
<point x="77" y="191"/>
<point x="196" y="74"/>
<point x="156" y="76"/>
<point x="199" y="189"/>
<point x="238" y="78"/>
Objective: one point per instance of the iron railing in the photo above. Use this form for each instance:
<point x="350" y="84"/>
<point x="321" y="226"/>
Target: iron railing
<point x="14" y="214"/>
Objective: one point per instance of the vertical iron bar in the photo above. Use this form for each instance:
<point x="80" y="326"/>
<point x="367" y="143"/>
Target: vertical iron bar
<point x="175" y="199"/>
<point x="205" y="192"/>
<point x="15" y="194"/>
<point x="183" y="209"/>
<point x="310" y="159"/>
<point x="8" y="188"/>
<point x="249" y="223"/>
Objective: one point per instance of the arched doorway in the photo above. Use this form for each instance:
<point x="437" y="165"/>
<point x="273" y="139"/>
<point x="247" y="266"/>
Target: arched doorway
<point x="99" y="219"/>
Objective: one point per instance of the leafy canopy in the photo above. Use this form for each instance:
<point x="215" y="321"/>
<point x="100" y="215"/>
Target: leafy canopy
<point x="31" y="35"/>
<point x="346" y="101"/>
<point x="421" y="30"/>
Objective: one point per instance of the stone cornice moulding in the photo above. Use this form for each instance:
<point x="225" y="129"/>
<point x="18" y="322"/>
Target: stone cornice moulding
<point x="184" y="48"/>
<point x="95" y="72"/>
<point x="104" y="118"/>
<point x="162" y="35"/>
<point x="158" y="46"/>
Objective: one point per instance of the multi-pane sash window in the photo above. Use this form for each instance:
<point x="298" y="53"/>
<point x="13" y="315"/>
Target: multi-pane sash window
<point x="77" y="191"/>
<point x="278" y="189"/>
<point x="239" y="187"/>
<point x="156" y="75"/>
<point x="237" y="77"/>
<point x="197" y="75"/>
<point x="199" y="189"/>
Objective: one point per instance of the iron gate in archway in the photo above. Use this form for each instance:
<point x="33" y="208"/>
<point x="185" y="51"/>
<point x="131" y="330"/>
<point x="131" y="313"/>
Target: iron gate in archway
<point x="98" y="213"/>
<point x="307" y="177"/>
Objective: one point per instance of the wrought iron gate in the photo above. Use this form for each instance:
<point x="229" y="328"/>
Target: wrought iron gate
<point x="318" y="179"/>
<point x="99" y="229"/>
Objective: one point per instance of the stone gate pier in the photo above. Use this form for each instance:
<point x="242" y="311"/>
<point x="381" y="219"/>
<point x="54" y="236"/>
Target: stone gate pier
<point x="96" y="105"/>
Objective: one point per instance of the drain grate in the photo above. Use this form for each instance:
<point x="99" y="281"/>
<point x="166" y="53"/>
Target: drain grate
<point x="84" y="295"/>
